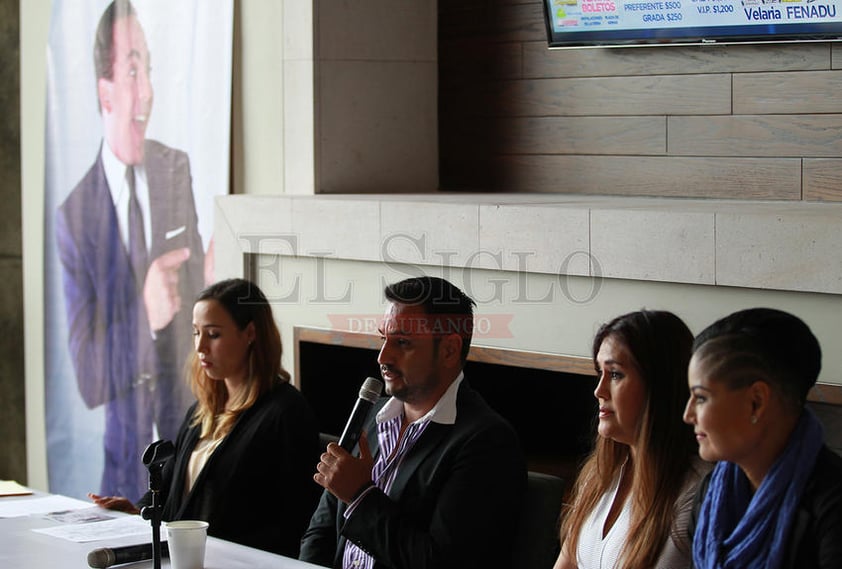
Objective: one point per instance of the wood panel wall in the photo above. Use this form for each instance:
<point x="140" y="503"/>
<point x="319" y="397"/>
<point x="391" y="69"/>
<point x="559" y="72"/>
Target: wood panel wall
<point x="713" y="121"/>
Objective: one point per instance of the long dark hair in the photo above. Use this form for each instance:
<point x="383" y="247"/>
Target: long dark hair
<point x="660" y="344"/>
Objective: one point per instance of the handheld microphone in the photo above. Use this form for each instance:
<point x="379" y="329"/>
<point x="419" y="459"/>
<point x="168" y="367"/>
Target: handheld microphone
<point x="369" y="392"/>
<point x="107" y="556"/>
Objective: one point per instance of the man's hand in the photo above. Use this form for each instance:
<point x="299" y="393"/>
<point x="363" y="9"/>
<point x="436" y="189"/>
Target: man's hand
<point x="160" y="290"/>
<point x="343" y="475"/>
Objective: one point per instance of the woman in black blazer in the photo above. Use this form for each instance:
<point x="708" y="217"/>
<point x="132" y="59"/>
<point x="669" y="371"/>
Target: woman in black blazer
<point x="245" y="451"/>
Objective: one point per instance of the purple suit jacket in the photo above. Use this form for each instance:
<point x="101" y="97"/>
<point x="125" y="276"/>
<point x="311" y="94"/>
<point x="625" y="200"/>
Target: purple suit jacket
<point x="116" y="360"/>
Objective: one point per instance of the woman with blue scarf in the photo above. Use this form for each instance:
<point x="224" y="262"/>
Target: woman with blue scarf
<point x="774" y="499"/>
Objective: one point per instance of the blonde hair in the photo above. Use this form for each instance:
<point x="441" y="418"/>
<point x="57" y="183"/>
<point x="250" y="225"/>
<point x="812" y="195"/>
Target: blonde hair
<point x="660" y="345"/>
<point x="246" y="304"/>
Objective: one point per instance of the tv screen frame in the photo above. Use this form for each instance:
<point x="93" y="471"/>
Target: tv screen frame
<point x="626" y="23"/>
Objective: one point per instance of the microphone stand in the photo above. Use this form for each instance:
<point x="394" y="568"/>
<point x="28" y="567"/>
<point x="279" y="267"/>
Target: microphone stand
<point x="153" y="514"/>
<point x="154" y="457"/>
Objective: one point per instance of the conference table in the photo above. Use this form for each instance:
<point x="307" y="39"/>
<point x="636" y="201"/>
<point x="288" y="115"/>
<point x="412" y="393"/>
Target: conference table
<point x="23" y="544"/>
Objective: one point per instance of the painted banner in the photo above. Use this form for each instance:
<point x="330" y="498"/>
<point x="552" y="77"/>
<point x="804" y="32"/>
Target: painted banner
<point x="137" y="145"/>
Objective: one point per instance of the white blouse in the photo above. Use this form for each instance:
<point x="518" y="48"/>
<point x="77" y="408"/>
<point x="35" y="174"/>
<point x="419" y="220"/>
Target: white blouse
<point x="595" y="551"/>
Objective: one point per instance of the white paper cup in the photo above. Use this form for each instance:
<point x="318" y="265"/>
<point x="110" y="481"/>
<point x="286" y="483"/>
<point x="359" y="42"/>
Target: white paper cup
<point x="186" y="541"/>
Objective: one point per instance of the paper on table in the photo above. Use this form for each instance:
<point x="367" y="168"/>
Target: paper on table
<point x="84" y="516"/>
<point x="123" y="526"/>
<point x="12" y="488"/>
<point x="39" y="505"/>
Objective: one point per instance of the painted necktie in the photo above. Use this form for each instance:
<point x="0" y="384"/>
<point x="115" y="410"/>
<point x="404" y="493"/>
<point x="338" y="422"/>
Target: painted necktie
<point x="137" y="238"/>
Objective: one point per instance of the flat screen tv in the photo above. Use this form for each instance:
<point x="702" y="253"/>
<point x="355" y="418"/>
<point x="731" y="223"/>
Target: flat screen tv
<point x="572" y="23"/>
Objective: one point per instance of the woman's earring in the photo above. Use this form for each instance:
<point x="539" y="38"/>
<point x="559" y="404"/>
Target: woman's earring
<point x="754" y="419"/>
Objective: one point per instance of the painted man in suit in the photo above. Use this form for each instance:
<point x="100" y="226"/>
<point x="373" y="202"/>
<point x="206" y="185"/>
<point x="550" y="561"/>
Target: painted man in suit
<point x="440" y="475"/>
<point x="132" y="263"/>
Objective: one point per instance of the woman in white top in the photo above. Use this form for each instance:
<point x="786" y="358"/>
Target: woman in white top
<point x="631" y="502"/>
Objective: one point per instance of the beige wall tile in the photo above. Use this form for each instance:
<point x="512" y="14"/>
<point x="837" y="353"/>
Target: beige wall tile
<point x="377" y="30"/>
<point x="377" y="127"/>
<point x="426" y="233"/>
<point x="337" y="228"/>
<point x="798" y="251"/>
<point x="258" y="96"/>
<point x="539" y="238"/>
<point x="298" y="30"/>
<point x="299" y="129"/>
<point x="654" y="245"/>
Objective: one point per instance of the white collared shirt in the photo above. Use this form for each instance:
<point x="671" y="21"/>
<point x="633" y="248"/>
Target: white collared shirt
<point x="115" y="174"/>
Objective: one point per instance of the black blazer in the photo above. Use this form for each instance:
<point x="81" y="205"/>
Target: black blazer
<point x="816" y="538"/>
<point x="454" y="502"/>
<point x="257" y="487"/>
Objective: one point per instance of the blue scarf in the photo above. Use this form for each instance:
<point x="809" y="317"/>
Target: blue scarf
<point x="738" y="530"/>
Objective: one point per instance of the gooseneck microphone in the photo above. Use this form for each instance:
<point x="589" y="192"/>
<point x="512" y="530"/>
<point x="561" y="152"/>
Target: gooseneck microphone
<point x="108" y="556"/>
<point x="369" y="392"/>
